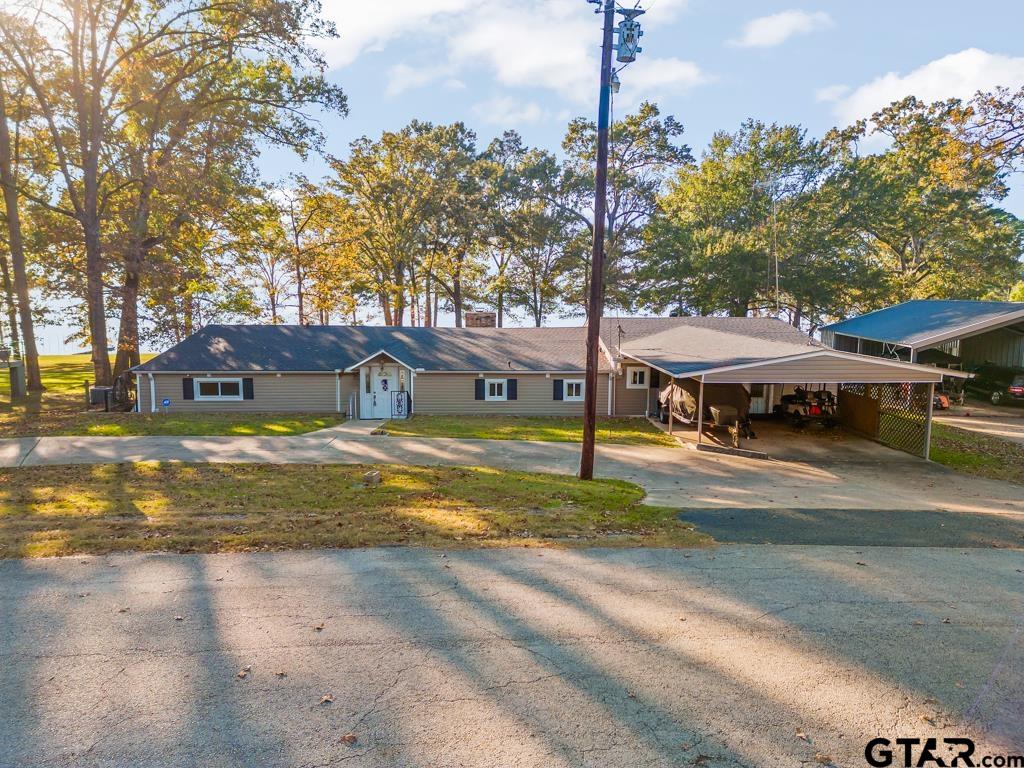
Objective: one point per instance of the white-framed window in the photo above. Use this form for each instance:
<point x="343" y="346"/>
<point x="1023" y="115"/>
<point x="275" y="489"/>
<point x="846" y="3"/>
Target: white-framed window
<point x="573" y="391"/>
<point x="217" y="389"/>
<point x="636" y="378"/>
<point x="494" y="389"/>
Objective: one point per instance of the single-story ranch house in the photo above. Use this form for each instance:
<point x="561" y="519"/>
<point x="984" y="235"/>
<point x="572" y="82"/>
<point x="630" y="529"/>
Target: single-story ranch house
<point x="374" y="372"/>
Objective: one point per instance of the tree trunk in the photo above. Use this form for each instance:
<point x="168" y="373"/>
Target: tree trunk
<point x="13" y="215"/>
<point x="94" y="294"/>
<point x="428" y="317"/>
<point x="457" y="301"/>
<point x="272" y="297"/>
<point x="300" y="292"/>
<point x="501" y="308"/>
<point x="9" y="304"/>
<point x="128" y="333"/>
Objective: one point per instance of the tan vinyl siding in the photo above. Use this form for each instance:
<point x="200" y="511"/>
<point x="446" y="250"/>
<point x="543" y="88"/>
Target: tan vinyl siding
<point x="310" y="392"/>
<point x="350" y="393"/>
<point x="819" y="370"/>
<point x="631" y="402"/>
<point x="438" y="394"/>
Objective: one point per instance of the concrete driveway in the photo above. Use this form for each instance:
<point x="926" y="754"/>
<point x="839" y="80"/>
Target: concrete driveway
<point x="1002" y="425"/>
<point x="737" y="656"/>
<point x="864" y="477"/>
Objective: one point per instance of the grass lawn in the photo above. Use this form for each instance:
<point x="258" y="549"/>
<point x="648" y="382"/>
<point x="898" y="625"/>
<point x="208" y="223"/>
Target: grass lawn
<point x="60" y="411"/>
<point x="977" y="454"/>
<point x="547" y="429"/>
<point x="246" y="507"/>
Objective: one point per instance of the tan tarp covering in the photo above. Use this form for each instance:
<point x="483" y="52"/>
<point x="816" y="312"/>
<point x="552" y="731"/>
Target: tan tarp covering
<point x="685" y="392"/>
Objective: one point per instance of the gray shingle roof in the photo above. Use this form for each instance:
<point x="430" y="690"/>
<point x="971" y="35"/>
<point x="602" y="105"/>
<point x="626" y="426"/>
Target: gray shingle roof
<point x="677" y="344"/>
<point x="292" y="348"/>
<point x="686" y="345"/>
<point x="914" y="322"/>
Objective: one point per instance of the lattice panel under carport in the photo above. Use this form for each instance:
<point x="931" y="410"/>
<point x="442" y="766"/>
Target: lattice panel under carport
<point x="893" y="414"/>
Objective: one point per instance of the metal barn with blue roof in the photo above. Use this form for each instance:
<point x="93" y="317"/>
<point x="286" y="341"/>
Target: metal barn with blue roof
<point x="968" y="332"/>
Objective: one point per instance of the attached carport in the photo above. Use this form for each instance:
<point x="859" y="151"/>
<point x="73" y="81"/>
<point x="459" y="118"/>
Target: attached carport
<point x="888" y="401"/>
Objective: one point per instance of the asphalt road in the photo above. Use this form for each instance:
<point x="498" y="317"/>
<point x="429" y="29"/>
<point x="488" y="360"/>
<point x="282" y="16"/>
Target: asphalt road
<point x="736" y="656"/>
<point x="861" y="527"/>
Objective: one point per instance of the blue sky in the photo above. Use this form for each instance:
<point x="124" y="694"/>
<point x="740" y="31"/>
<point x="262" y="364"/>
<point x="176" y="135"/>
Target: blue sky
<point x="531" y="65"/>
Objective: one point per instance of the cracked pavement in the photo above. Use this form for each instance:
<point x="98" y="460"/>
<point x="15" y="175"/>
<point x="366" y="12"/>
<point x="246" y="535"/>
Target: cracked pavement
<point x="734" y="656"/>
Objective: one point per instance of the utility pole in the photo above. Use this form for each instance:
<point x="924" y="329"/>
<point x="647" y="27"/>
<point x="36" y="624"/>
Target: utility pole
<point x="596" y="301"/>
<point x="628" y="47"/>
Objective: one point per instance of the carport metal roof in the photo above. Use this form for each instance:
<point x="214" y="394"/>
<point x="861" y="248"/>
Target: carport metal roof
<point x="928" y="322"/>
<point x="814" y="365"/>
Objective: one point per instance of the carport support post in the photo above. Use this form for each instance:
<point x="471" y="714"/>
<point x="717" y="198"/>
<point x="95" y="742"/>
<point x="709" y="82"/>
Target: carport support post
<point x="928" y="423"/>
<point x="700" y="411"/>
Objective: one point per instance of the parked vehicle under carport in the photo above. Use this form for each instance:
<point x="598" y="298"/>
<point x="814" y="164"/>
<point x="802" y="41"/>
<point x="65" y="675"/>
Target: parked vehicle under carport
<point x="725" y="405"/>
<point x="997" y="384"/>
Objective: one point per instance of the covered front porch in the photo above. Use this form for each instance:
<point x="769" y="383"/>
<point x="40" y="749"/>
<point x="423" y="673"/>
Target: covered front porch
<point x="385" y="388"/>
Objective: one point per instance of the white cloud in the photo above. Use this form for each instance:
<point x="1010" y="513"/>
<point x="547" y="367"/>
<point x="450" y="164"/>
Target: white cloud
<point x="662" y="74"/>
<point x="831" y="92"/>
<point x="402" y="77"/>
<point x="508" y="111"/>
<point x="958" y="75"/>
<point x="366" y="26"/>
<point x="768" y="31"/>
<point x="549" y="44"/>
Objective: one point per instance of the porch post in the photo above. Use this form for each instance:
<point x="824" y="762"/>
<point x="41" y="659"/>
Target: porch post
<point x="700" y="412"/>
<point x="928" y="423"/>
<point x="152" y="394"/>
<point x="337" y="388"/>
<point x="671" y="383"/>
<point x="412" y="392"/>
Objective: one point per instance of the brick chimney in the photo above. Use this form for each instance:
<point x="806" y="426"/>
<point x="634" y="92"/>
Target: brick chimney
<point x="481" y="319"/>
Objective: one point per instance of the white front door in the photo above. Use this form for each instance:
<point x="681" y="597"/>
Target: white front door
<point x="376" y="385"/>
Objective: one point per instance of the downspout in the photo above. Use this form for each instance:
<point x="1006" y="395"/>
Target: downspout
<point x="138" y="393"/>
<point x="412" y="392"/>
<point x="152" y="394"/>
<point x="337" y="388"/>
<point x="611" y="391"/>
